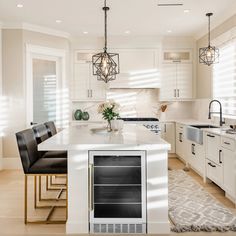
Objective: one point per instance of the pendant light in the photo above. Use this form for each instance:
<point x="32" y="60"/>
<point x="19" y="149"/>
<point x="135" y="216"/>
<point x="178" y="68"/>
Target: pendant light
<point x="106" y="65"/>
<point x="209" y="55"/>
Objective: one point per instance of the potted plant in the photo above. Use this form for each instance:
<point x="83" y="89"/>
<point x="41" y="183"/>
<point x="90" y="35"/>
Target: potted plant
<point x="109" y="111"/>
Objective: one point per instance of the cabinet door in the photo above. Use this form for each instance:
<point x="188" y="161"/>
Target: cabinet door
<point x="229" y="166"/>
<point x="197" y="157"/>
<point x="168" y="134"/>
<point x="80" y="89"/>
<point x="214" y="172"/>
<point x="138" y="69"/>
<point x="181" y="143"/>
<point x="184" y="80"/>
<point x="168" y="82"/>
<point x="97" y="88"/>
<point x="213" y="152"/>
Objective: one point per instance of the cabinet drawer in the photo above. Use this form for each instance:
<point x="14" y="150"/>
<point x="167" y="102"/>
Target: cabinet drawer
<point x="214" y="172"/>
<point x="228" y="143"/>
<point x="180" y="127"/>
<point x="213" y="147"/>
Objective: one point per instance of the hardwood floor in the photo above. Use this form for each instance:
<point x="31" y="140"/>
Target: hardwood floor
<point x="11" y="205"/>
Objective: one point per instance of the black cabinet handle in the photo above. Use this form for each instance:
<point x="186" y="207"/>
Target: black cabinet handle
<point x="193" y="146"/>
<point x="211" y="136"/>
<point x="33" y="123"/>
<point x="211" y="165"/>
<point x="226" y="143"/>
<point x="220" y="159"/>
<point x="180" y="137"/>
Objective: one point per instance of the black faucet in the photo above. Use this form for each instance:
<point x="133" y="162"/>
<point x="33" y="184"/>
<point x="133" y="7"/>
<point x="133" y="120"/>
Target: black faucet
<point x="209" y="114"/>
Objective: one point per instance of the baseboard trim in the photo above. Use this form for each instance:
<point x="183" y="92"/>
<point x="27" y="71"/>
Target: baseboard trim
<point x="11" y="163"/>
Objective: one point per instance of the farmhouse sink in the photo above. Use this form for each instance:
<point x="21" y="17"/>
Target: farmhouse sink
<point x="195" y="133"/>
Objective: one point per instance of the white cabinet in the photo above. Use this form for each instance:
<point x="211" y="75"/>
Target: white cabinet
<point x="139" y="68"/>
<point x="181" y="142"/>
<point x="229" y="159"/>
<point x="176" y="81"/>
<point x="221" y="162"/>
<point x="168" y="134"/>
<point x="213" y="150"/>
<point x="196" y="157"/>
<point x="178" y="55"/>
<point x="214" y="172"/>
<point x="214" y="161"/>
<point x="176" y="75"/>
<point x="86" y="86"/>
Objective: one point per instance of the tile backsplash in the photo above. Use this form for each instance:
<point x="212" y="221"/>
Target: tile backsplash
<point x="138" y="103"/>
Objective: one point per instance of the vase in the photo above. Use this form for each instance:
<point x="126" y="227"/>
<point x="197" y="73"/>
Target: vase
<point x="162" y="116"/>
<point x="78" y="114"/>
<point x="85" y="115"/>
<point x="117" y="125"/>
<point x="109" y="129"/>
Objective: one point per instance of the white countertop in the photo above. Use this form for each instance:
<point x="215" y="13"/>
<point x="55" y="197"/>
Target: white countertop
<point x="220" y="132"/>
<point x="76" y="136"/>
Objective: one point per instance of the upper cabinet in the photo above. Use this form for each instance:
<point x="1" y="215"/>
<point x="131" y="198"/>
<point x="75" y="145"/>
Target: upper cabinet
<point x="176" y="75"/>
<point x="85" y="86"/>
<point x="139" y="68"/>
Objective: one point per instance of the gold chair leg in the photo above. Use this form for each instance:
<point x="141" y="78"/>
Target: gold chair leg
<point x="26" y="200"/>
<point x="52" y="208"/>
<point x="50" y="199"/>
<point x="35" y="191"/>
<point x="55" y="184"/>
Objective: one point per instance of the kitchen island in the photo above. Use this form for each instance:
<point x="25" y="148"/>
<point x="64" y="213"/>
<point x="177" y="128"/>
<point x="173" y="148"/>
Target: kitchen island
<point x="132" y="163"/>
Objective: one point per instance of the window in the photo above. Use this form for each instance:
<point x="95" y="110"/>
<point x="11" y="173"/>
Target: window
<point x="224" y="78"/>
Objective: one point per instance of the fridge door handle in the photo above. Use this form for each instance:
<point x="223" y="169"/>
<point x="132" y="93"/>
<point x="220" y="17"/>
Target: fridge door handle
<point x="91" y="206"/>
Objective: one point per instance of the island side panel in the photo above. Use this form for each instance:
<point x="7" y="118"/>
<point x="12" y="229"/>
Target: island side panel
<point x="78" y="217"/>
<point x="157" y="192"/>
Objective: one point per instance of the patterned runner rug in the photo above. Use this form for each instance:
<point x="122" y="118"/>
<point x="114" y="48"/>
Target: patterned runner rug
<point x="191" y="208"/>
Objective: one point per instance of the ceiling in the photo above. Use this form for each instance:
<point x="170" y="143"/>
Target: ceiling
<point x="140" y="17"/>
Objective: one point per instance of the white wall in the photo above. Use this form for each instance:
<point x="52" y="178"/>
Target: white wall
<point x="1" y="99"/>
<point x="14" y="80"/>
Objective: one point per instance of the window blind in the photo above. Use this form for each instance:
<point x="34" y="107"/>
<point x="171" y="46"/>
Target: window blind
<point x="224" y="78"/>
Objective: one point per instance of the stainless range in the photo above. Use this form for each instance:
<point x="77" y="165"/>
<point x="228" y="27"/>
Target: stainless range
<point x="150" y="123"/>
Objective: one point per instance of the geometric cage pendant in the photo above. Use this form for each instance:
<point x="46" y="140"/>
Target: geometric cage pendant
<point x="209" y="55"/>
<point x="106" y="66"/>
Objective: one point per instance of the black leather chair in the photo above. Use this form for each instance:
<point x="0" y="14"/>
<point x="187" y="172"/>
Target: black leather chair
<point x="34" y="164"/>
<point x="51" y="128"/>
<point x="41" y="134"/>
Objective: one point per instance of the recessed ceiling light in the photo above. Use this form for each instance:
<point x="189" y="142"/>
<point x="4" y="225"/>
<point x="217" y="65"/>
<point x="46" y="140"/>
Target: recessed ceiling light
<point x="169" y="31"/>
<point x="186" y="11"/>
<point x="85" y="32"/>
<point x="58" y="21"/>
<point x="19" y="5"/>
<point x="127" y="32"/>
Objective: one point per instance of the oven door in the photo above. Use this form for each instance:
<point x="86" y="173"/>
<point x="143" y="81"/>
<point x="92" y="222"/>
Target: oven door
<point x="117" y="192"/>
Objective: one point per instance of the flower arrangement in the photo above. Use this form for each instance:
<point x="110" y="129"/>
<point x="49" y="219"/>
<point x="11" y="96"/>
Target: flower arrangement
<point x="109" y="111"/>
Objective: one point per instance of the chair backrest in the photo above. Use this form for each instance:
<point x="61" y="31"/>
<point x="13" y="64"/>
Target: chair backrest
<point x="40" y="133"/>
<point x="27" y="146"/>
<point x="51" y="128"/>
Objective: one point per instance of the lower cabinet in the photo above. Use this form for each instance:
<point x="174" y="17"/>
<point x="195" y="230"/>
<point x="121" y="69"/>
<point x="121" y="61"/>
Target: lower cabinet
<point x="196" y="157"/>
<point x="221" y="162"/>
<point x="168" y="134"/>
<point x="214" y="172"/>
<point x="229" y="170"/>
<point x="181" y="142"/>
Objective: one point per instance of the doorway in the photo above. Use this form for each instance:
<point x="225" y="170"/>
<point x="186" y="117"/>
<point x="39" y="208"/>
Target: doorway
<point x="47" y="94"/>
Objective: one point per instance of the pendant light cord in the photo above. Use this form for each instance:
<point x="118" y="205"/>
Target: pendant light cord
<point x="209" y="31"/>
<point x="105" y="8"/>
